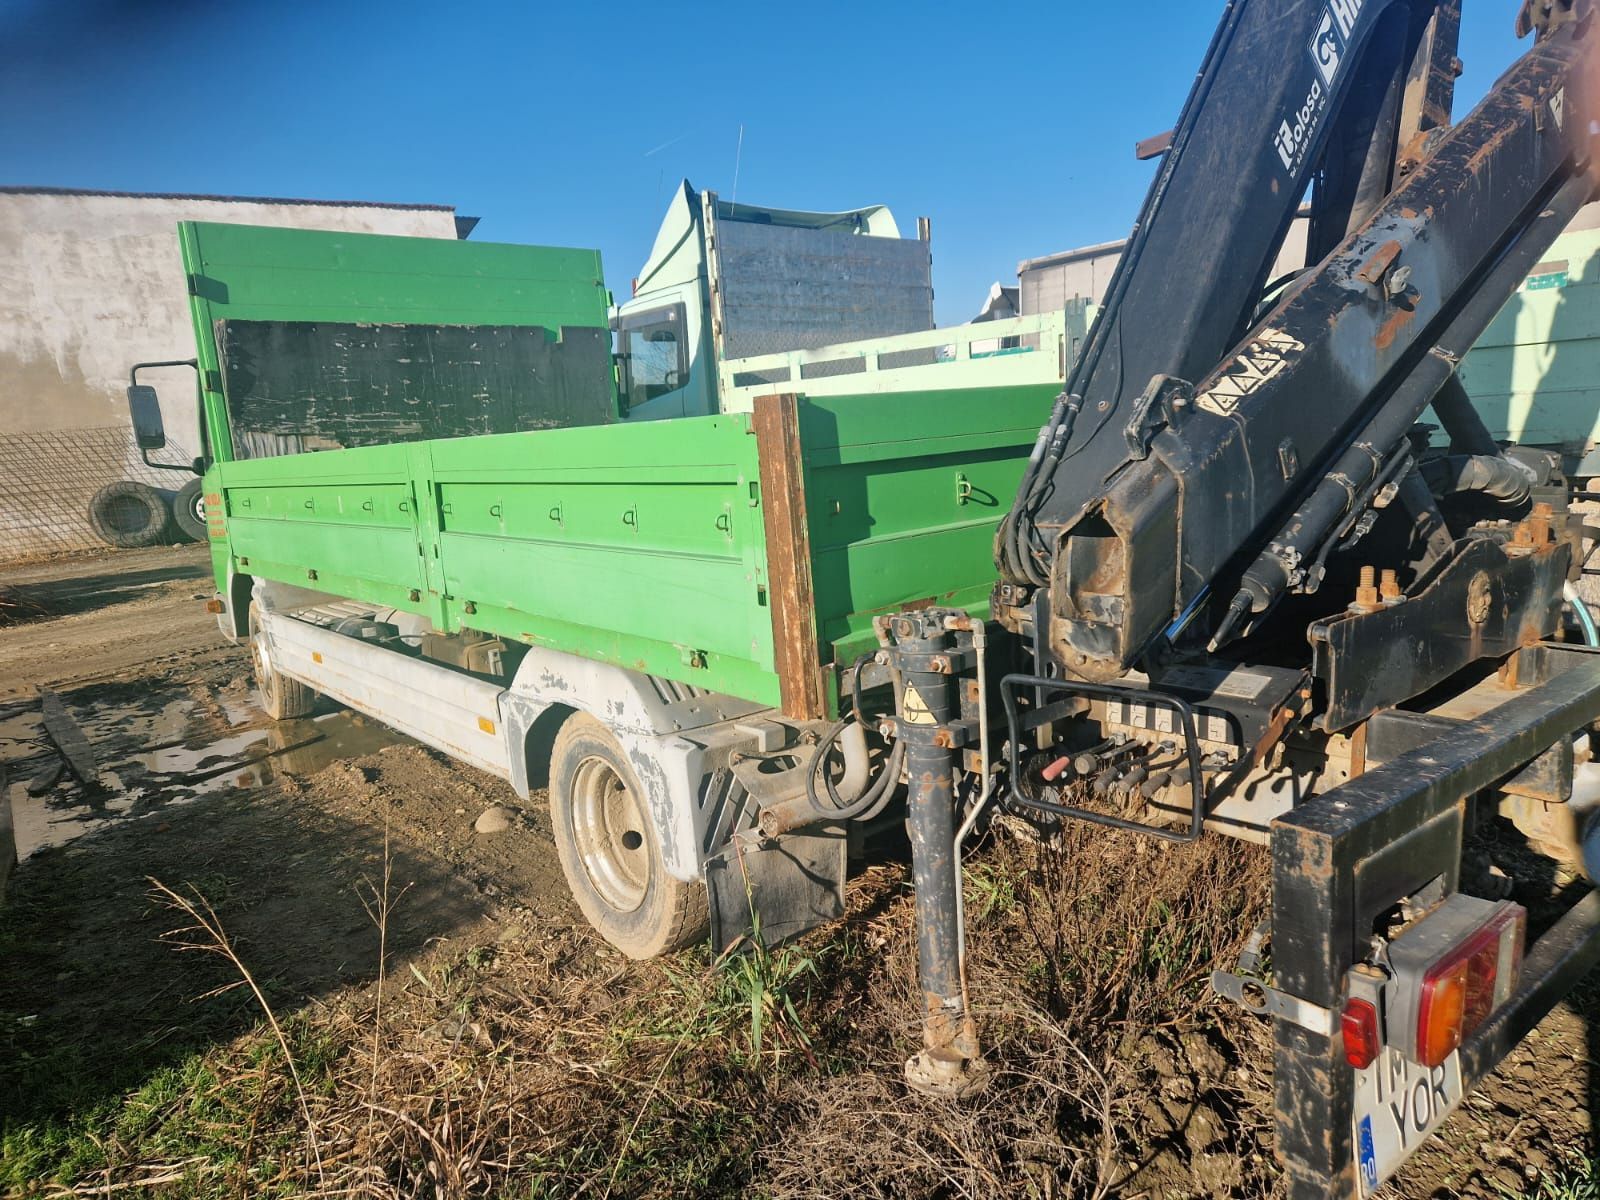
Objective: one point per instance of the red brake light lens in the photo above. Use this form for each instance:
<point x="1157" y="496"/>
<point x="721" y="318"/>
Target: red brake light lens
<point x="1482" y="953"/>
<point x="1360" y="1025"/>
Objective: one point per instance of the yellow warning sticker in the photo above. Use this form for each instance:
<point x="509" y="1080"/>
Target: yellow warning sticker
<point x="915" y="710"/>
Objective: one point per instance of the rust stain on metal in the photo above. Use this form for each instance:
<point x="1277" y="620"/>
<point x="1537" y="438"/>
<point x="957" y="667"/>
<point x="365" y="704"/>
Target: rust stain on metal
<point x="1276" y="728"/>
<point x="1313" y="853"/>
<point x="1153" y="147"/>
<point x="1376" y="266"/>
<point x="796" y="650"/>
<point x="1390" y="329"/>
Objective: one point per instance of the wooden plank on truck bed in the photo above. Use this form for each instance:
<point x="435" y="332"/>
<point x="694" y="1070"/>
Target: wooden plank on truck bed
<point x="793" y="599"/>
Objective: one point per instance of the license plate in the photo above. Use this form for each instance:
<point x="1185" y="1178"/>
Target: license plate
<point x="1398" y="1106"/>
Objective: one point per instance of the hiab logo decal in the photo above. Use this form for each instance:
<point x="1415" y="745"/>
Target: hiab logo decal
<point x="1332" y="37"/>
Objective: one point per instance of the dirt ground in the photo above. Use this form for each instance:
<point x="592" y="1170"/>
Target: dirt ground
<point x="444" y="1024"/>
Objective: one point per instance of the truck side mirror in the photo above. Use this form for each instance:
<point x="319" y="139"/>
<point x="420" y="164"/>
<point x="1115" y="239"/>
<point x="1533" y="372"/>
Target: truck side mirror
<point x="145" y="408"/>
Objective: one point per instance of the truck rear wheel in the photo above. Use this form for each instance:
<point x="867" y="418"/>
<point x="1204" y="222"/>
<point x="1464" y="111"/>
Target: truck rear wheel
<point x="282" y="698"/>
<point x="610" y="851"/>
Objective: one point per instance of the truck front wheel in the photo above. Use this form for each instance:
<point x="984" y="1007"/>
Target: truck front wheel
<point x="610" y="851"/>
<point x="282" y="698"/>
<point x="189" y="510"/>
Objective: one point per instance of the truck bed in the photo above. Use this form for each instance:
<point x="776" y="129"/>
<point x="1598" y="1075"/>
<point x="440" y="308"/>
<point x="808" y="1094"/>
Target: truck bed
<point x="743" y="554"/>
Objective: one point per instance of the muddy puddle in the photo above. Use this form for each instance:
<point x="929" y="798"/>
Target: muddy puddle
<point x="150" y="751"/>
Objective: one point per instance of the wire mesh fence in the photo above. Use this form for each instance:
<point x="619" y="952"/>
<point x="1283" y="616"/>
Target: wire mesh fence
<point x="48" y="478"/>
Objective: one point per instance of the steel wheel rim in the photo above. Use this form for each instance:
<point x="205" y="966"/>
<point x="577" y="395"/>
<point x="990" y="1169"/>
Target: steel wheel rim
<point x="609" y="831"/>
<point x="258" y="659"/>
<point x="197" y="506"/>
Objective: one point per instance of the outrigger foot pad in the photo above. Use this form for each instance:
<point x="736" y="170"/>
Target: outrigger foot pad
<point x="947" y="1079"/>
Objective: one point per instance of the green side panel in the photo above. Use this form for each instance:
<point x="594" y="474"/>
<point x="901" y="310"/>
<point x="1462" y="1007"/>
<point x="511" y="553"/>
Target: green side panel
<point x="1535" y="373"/>
<point x="640" y="545"/>
<point x="636" y="545"/>
<point x="643" y="545"/>
<point x="344" y="521"/>
<point x="254" y="273"/>
<point x="903" y="495"/>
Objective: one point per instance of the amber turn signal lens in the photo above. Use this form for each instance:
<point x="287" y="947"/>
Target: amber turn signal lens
<point x="1443" y="1011"/>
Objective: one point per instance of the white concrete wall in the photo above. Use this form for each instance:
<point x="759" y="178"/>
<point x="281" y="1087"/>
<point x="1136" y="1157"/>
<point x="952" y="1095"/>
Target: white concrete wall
<point x="91" y="284"/>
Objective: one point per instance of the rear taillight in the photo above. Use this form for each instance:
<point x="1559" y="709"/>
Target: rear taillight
<point x="1442" y="1012"/>
<point x="1452" y="970"/>
<point x="1361" y="1039"/>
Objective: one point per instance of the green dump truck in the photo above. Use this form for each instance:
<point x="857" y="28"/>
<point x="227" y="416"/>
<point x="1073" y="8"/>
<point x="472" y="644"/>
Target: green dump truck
<point x="426" y="501"/>
<point x="435" y="495"/>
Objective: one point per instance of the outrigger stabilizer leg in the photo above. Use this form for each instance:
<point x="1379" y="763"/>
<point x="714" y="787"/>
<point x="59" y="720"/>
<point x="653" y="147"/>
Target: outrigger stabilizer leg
<point x="927" y="653"/>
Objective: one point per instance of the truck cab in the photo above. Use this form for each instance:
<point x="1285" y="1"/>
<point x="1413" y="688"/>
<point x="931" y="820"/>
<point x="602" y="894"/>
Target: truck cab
<point x="727" y="280"/>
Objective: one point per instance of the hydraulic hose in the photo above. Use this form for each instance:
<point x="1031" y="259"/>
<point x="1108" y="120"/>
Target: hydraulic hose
<point x="870" y="802"/>
<point x="1017" y="528"/>
<point x="1493" y="475"/>
<point x="810" y="807"/>
<point x="1591" y="635"/>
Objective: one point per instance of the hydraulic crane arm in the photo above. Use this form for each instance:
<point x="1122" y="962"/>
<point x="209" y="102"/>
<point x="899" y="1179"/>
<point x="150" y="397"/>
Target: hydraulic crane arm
<point x="1177" y="472"/>
<point x="1289" y="92"/>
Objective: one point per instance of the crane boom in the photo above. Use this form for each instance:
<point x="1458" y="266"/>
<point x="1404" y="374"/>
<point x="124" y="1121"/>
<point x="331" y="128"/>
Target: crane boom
<point x="1189" y="474"/>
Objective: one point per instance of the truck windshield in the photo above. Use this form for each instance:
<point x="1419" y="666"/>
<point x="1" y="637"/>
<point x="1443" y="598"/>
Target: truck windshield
<point x="295" y="386"/>
<point x="655" y="351"/>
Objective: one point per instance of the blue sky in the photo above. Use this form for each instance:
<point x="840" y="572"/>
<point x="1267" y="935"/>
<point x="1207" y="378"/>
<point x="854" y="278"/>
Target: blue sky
<point x="1012" y="127"/>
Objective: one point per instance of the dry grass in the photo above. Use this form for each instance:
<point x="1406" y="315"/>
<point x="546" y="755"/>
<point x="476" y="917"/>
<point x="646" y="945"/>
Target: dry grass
<point x="543" y="1066"/>
<point x="1089" y="960"/>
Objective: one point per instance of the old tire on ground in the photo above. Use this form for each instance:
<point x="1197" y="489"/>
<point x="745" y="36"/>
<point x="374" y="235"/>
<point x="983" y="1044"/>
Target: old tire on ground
<point x="282" y="698"/>
<point x="189" y="510"/>
<point x="609" y="849"/>
<point x="127" y="514"/>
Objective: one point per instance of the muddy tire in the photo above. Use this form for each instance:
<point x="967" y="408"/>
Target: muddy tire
<point x="127" y="514"/>
<point x="189" y="510"/>
<point x="282" y="698"/>
<point x="609" y="849"/>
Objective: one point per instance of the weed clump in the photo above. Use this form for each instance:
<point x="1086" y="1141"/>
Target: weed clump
<point x="1089" y="958"/>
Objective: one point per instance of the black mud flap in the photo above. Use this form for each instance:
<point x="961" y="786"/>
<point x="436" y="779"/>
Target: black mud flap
<point x="778" y="889"/>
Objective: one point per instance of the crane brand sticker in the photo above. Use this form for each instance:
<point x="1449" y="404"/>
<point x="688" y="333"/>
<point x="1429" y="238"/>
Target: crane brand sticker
<point x="1262" y="361"/>
<point x="1294" y="133"/>
<point x="1332" y="38"/>
<point x="1330" y="43"/>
